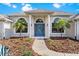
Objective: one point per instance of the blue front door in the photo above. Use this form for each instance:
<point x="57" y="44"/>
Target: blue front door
<point x="39" y="30"/>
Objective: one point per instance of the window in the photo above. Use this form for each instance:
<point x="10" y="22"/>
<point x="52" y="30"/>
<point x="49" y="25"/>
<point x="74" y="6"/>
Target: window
<point x="56" y="20"/>
<point x="39" y="21"/>
<point x="25" y="23"/>
<point x="54" y="30"/>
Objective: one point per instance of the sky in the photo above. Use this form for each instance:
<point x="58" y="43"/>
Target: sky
<point x="9" y="8"/>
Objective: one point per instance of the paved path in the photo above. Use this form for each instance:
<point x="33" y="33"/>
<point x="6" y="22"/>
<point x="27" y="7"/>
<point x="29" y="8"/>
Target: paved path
<point x="40" y="48"/>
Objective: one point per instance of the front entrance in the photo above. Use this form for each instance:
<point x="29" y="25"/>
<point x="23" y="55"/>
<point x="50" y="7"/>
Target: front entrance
<point x="39" y="30"/>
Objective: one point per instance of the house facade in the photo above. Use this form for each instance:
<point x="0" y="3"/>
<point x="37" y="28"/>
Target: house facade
<point x="39" y="24"/>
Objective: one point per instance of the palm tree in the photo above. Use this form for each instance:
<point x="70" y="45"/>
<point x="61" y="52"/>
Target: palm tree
<point x="20" y="25"/>
<point x="62" y="23"/>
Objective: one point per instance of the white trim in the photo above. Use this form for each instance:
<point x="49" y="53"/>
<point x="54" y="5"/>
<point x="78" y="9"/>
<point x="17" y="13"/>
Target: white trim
<point x="49" y="26"/>
<point x="19" y="18"/>
<point x="39" y="17"/>
<point x="39" y="23"/>
<point x="30" y="28"/>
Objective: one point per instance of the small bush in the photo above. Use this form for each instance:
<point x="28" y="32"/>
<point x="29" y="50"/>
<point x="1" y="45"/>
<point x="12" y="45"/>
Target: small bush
<point x="29" y="40"/>
<point x="27" y="53"/>
<point x="22" y="48"/>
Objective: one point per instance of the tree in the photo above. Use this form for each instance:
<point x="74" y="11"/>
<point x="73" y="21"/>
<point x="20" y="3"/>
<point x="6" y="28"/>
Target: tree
<point x="62" y="23"/>
<point x="20" y="25"/>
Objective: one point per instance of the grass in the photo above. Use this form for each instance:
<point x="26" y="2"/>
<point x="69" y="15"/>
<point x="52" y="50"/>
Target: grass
<point x="27" y="53"/>
<point x="29" y="40"/>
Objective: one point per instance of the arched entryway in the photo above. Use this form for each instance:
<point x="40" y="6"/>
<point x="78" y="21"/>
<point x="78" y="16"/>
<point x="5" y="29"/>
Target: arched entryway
<point x="39" y="28"/>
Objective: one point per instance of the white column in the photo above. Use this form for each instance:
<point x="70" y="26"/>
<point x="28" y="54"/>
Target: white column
<point x="49" y="26"/>
<point x="30" y="22"/>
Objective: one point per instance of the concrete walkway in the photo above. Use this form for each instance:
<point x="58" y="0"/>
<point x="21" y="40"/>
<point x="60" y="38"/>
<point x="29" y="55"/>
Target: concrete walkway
<point x="40" y="48"/>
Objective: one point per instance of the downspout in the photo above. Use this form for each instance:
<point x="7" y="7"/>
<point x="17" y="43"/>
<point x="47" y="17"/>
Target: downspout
<point x="76" y="28"/>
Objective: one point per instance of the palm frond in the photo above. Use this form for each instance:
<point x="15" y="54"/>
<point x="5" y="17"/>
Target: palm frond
<point x="21" y="24"/>
<point x="62" y="23"/>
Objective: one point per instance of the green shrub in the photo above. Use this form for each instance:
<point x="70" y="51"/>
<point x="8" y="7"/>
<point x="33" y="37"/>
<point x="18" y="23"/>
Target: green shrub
<point x="22" y="48"/>
<point x="27" y="53"/>
<point x="29" y="40"/>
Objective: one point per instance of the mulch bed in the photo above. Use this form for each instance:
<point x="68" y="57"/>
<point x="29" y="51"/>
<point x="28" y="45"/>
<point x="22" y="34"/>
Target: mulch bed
<point x="64" y="45"/>
<point x="17" y="45"/>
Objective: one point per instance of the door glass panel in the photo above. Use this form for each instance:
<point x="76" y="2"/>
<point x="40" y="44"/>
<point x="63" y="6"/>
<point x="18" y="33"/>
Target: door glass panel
<point x="39" y="30"/>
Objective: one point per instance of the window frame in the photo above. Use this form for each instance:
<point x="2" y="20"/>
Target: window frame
<point x="39" y="21"/>
<point x="27" y="25"/>
<point x="51" y="26"/>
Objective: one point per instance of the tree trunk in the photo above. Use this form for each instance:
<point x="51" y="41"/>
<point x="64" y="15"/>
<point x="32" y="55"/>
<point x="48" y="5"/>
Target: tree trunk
<point x="61" y="33"/>
<point x="20" y="34"/>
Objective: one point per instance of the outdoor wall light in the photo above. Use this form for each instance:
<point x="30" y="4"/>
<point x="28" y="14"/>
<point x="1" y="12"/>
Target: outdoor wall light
<point x="47" y="24"/>
<point x="31" y="24"/>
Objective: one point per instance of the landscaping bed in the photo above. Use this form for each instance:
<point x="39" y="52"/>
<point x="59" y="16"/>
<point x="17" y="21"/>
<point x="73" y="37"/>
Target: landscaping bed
<point x="64" y="45"/>
<point x="19" y="47"/>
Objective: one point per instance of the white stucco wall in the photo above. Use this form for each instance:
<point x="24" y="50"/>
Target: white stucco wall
<point x="7" y="29"/>
<point x="44" y="19"/>
<point x="7" y="25"/>
<point x="1" y="30"/>
<point x="31" y="26"/>
<point x="71" y="31"/>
